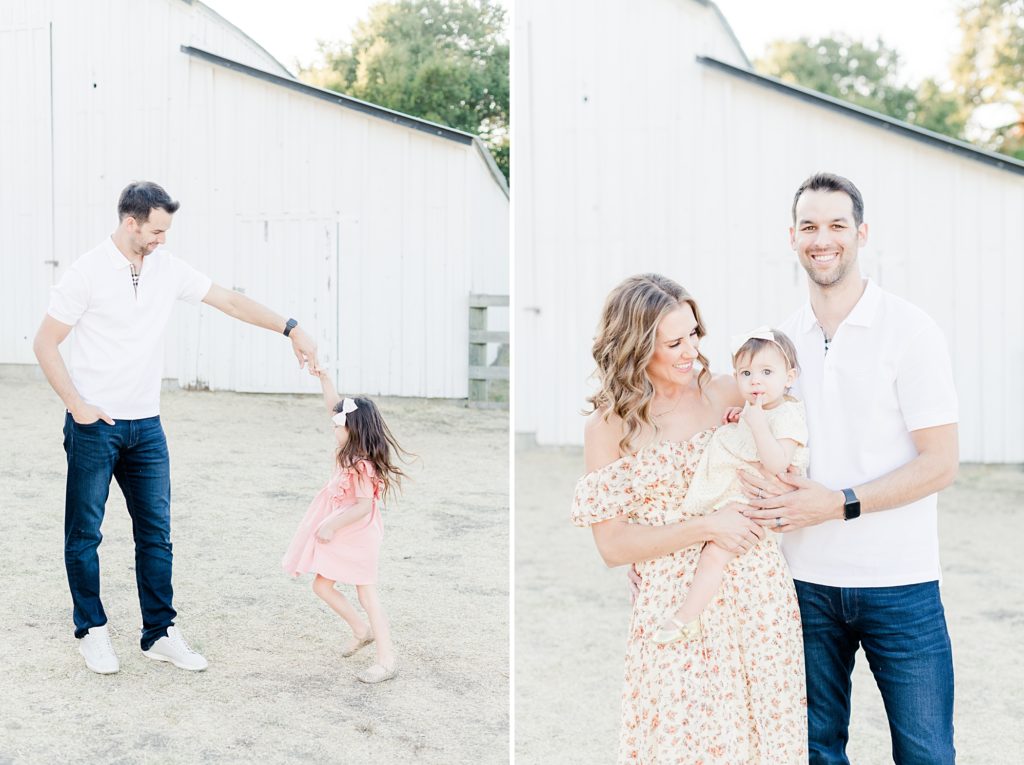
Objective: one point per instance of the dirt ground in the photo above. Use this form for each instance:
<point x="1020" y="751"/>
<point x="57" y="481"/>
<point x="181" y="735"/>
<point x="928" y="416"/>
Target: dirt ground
<point x="244" y="469"/>
<point x="571" y="617"/>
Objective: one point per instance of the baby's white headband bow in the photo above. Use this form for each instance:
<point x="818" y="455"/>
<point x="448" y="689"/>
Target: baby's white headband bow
<point x="761" y="333"/>
<point x="347" y="405"/>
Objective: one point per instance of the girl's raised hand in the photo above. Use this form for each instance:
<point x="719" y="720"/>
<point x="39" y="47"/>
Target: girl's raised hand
<point x="754" y="413"/>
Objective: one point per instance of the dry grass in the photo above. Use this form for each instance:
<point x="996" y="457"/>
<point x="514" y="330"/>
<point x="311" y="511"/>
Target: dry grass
<point x="244" y="468"/>
<point x="572" y="614"/>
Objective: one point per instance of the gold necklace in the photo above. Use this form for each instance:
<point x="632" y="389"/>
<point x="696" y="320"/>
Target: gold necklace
<point x="671" y="409"/>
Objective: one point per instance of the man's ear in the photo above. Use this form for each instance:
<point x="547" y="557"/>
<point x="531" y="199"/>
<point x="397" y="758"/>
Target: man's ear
<point x="862" y="234"/>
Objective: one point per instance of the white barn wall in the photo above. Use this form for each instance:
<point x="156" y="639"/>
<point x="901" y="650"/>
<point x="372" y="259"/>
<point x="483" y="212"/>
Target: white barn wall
<point x="603" y="149"/>
<point x="411" y="222"/>
<point x="25" y="198"/>
<point x="400" y="201"/>
<point x="712" y="211"/>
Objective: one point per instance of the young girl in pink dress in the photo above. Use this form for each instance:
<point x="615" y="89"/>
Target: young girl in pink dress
<point x="339" y="536"/>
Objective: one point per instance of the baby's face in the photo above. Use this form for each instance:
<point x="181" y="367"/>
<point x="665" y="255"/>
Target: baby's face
<point x="764" y="374"/>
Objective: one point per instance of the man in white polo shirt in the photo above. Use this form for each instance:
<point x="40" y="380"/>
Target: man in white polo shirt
<point x="860" y="534"/>
<point x="118" y="298"/>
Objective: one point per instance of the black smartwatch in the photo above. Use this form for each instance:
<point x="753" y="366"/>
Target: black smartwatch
<point x="289" y="326"/>
<point x="851" y="507"/>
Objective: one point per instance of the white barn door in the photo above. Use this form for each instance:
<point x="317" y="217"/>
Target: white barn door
<point x="290" y="264"/>
<point x="27" y="260"/>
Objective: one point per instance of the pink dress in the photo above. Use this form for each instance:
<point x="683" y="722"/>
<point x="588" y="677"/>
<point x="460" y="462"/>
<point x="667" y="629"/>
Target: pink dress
<point x="351" y="555"/>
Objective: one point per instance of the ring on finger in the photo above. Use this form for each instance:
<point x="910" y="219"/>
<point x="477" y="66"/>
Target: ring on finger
<point x="778" y="522"/>
<point x="760" y="494"/>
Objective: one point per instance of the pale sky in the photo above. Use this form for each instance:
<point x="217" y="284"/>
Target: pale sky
<point x="289" y="31"/>
<point x="925" y="39"/>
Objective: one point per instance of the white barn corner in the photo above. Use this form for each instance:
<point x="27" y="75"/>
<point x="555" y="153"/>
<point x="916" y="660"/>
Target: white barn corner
<point x="371" y="227"/>
<point x="645" y="142"/>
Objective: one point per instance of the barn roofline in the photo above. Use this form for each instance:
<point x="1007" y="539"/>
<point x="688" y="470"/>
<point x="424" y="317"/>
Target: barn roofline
<point x="1001" y="161"/>
<point x="355" y="104"/>
<point x="728" y="28"/>
<point x="240" y="31"/>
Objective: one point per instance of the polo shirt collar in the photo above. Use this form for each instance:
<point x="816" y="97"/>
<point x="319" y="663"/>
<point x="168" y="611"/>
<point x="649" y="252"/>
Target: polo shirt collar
<point x="862" y="314"/>
<point x="117" y="258"/>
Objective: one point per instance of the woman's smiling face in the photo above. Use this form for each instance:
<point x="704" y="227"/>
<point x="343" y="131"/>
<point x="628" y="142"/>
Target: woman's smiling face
<point x="675" y="348"/>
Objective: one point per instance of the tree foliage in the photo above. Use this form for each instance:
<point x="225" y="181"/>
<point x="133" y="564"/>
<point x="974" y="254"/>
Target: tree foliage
<point x="865" y="74"/>
<point x="989" y="68"/>
<point x="446" y="61"/>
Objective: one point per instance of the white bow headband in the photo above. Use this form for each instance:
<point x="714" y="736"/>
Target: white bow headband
<point x="761" y="333"/>
<point x="347" y="406"/>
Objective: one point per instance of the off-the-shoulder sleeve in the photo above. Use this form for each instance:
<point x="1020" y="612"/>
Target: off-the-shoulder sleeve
<point x="789" y="420"/>
<point x="604" y="494"/>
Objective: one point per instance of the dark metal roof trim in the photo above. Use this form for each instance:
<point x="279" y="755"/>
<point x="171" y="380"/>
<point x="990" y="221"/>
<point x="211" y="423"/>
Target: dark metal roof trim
<point x="348" y="102"/>
<point x="492" y="166"/>
<point x="1002" y="161"/>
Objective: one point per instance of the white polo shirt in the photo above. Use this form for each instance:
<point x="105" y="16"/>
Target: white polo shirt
<point x="887" y="372"/>
<point x="117" y="354"/>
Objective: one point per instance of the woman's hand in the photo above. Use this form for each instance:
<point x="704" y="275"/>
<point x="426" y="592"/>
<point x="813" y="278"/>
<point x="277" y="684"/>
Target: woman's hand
<point x="731" y="531"/>
<point x="764" y="484"/>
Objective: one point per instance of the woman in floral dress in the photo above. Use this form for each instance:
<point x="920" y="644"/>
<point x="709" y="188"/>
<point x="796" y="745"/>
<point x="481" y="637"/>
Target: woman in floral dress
<point x="736" y="694"/>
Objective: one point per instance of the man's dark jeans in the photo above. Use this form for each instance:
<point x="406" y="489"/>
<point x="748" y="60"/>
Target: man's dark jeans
<point x="903" y="633"/>
<point x="135" y="453"/>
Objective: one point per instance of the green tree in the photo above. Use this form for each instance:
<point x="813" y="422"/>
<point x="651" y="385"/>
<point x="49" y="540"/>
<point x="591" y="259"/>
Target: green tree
<point x="865" y="74"/>
<point x="446" y="61"/>
<point x="989" y="68"/>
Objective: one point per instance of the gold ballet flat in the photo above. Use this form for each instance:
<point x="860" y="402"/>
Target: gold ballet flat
<point x="377" y="673"/>
<point x="683" y="631"/>
<point x="358" y="644"/>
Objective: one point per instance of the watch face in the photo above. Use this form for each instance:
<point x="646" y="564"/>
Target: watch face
<point x="851" y="509"/>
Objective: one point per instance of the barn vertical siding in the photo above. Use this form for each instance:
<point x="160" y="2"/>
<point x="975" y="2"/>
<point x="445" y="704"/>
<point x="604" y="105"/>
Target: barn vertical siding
<point x="370" y="233"/>
<point x="635" y="157"/>
<point x="25" y="189"/>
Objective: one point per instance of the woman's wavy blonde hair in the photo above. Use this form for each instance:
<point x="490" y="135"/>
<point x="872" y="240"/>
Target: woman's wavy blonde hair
<point x="625" y="344"/>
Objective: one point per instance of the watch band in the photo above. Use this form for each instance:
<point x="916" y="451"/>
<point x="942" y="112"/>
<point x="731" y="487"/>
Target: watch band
<point x="851" y="508"/>
<point x="289" y="326"/>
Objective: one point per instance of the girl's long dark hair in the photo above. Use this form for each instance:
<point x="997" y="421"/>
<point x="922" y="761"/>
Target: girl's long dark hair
<point x="370" y="439"/>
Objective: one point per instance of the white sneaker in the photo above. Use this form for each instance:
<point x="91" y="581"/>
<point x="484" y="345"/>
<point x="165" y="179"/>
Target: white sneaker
<point x="174" y="649"/>
<point x="98" y="651"/>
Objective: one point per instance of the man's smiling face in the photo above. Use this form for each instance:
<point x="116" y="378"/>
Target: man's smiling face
<point x="826" y="237"/>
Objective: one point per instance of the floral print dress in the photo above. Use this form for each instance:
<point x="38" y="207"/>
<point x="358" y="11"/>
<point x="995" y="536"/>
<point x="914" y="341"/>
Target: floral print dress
<point x="734" y="696"/>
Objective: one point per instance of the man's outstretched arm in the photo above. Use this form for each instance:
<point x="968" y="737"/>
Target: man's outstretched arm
<point x="238" y="306"/>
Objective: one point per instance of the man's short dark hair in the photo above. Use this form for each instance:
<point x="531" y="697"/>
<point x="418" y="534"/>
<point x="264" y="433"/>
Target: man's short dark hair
<point x="139" y="197"/>
<point x="831" y="182"/>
